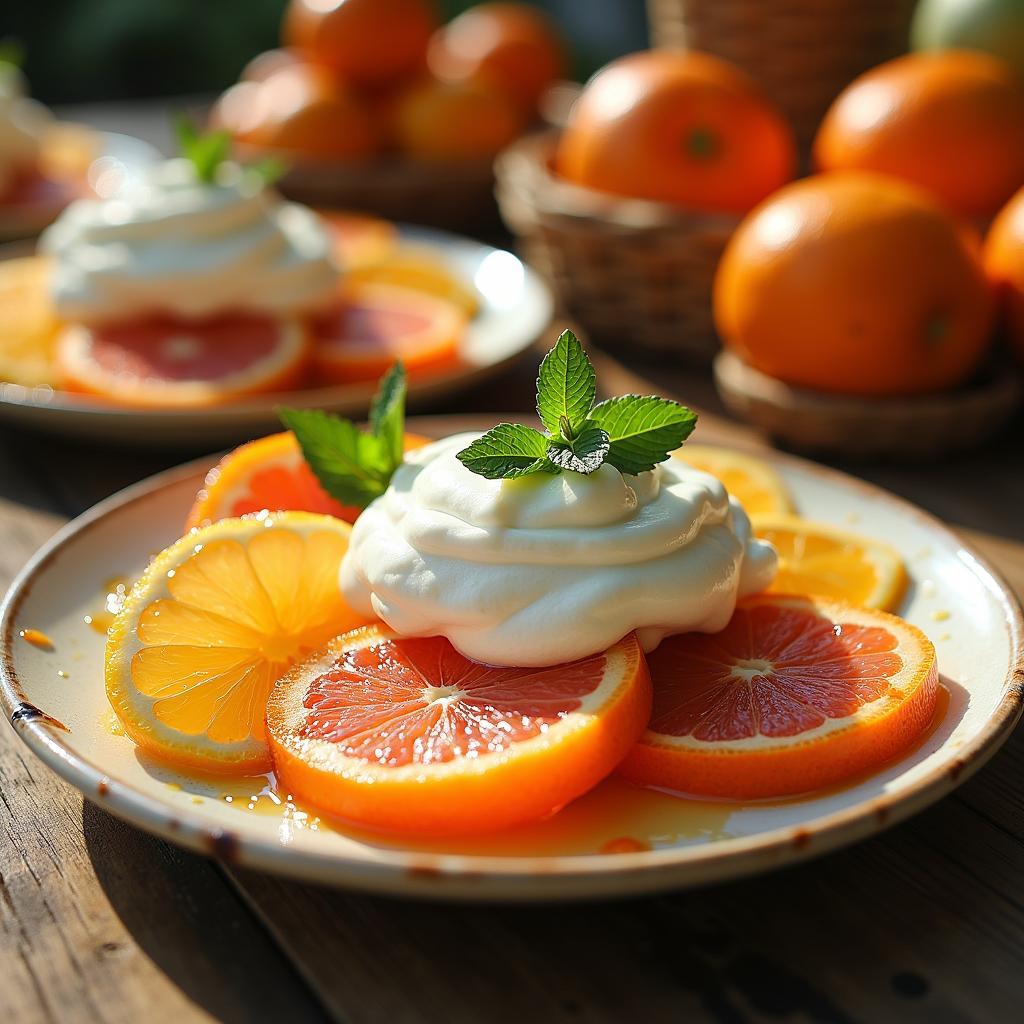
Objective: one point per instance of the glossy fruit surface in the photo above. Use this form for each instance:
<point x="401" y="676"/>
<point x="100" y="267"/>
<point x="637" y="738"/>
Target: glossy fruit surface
<point x="407" y="735"/>
<point x="950" y="122"/>
<point x="167" y="362"/>
<point x="514" y="48"/>
<point x="363" y="41"/>
<point x="212" y="624"/>
<point x="1004" y="263"/>
<point x="855" y="283"/>
<point x="795" y="694"/>
<point x="683" y="128"/>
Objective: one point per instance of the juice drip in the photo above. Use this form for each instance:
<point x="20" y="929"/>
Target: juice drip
<point x="115" y="590"/>
<point x="37" y="638"/>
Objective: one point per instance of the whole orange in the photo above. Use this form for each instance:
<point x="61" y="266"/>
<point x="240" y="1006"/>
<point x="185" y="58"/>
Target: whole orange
<point x="362" y="41"/>
<point x="855" y="283"/>
<point x="950" y="121"/>
<point x="680" y="127"/>
<point x="459" y="121"/>
<point x="509" y="46"/>
<point x="299" y="110"/>
<point x="1004" y="263"/>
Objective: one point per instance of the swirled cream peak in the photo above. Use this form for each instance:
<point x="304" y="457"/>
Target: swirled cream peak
<point x="549" y="568"/>
<point x="181" y="246"/>
<point x="22" y="122"/>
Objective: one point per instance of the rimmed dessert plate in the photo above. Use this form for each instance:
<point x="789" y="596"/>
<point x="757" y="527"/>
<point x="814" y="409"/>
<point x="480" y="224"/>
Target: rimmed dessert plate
<point x="56" y="700"/>
<point x="515" y="308"/>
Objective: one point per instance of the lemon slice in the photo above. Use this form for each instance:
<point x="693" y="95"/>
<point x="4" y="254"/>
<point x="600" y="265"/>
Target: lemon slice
<point x="815" y="558"/>
<point x="213" y="623"/>
<point x="757" y="487"/>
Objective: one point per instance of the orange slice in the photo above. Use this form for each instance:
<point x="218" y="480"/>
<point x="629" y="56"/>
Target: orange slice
<point x="271" y="474"/>
<point x="376" y="324"/>
<point x="28" y="323"/>
<point x="360" y="239"/>
<point x="795" y="694"/>
<point x="211" y="625"/>
<point x="419" y="269"/>
<point x="408" y="735"/>
<point x="757" y="487"/>
<point x="815" y="558"/>
<point x="163" y="362"/>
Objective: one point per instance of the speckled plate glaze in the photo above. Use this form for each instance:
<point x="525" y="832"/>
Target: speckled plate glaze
<point x="515" y="308"/>
<point x="955" y="597"/>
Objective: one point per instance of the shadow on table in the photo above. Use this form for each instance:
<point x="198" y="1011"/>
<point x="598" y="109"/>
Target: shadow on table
<point x="188" y="920"/>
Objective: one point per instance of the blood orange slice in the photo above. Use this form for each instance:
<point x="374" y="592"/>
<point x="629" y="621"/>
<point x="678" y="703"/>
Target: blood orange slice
<point x="271" y="474"/>
<point x="161" y="361"/>
<point x="374" y="325"/>
<point x="408" y="735"/>
<point x="795" y="694"/>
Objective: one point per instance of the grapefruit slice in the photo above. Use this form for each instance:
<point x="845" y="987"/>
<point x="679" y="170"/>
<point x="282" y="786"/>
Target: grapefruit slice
<point x="210" y="626"/>
<point x="815" y="558"/>
<point x="795" y="694"/>
<point x="271" y="474"/>
<point x="374" y="325"/>
<point x="28" y="323"/>
<point x="407" y="735"/>
<point x="166" y="362"/>
<point x="757" y="487"/>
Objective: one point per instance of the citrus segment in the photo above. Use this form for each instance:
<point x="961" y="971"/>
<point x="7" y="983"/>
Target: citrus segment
<point x="408" y="735"/>
<point x="419" y="269"/>
<point x="374" y="325"/>
<point x="269" y="473"/>
<point x="162" y="361"/>
<point x="753" y="483"/>
<point x="359" y="239"/>
<point x="214" y="621"/>
<point x="28" y="324"/>
<point x="795" y="694"/>
<point x="815" y="558"/>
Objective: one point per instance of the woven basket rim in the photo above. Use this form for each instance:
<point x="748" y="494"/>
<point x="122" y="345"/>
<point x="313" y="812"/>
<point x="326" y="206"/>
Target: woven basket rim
<point x="1000" y="389"/>
<point x="525" y="169"/>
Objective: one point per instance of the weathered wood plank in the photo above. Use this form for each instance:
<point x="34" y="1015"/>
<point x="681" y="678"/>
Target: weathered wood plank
<point x="100" y="922"/>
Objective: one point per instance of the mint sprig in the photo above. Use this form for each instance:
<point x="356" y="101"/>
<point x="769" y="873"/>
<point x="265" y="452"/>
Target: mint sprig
<point x="354" y="466"/>
<point x="206" y="151"/>
<point x="632" y="433"/>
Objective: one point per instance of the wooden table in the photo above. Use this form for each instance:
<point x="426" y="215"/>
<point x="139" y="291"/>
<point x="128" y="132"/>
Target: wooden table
<point x="101" y="922"/>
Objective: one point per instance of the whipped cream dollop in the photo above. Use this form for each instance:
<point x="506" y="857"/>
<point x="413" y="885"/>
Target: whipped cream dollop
<point x="22" y="123"/>
<point x="175" y="244"/>
<point x="550" y="568"/>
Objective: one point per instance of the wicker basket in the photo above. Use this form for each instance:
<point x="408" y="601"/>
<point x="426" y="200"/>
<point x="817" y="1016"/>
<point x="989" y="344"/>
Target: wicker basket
<point x="802" y="52"/>
<point x="633" y="273"/>
<point x="926" y="427"/>
<point x="456" y="196"/>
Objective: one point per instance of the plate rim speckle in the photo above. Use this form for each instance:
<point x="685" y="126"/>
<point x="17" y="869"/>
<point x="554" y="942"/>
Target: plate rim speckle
<point x="488" y="878"/>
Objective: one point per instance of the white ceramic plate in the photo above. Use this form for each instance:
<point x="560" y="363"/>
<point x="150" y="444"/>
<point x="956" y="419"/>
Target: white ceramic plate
<point x="515" y="308"/>
<point x="955" y="597"/>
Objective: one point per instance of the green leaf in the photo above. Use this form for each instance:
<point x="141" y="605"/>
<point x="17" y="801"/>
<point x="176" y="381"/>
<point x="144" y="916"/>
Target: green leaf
<point x="206" y="151"/>
<point x="353" y="467"/>
<point x="566" y="386"/>
<point x="643" y="430"/>
<point x="584" y="453"/>
<point x="387" y="413"/>
<point x="507" y="450"/>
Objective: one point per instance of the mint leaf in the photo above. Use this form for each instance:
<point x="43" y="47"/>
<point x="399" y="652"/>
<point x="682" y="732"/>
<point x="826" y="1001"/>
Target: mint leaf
<point x="505" y="451"/>
<point x="387" y="413"/>
<point x="583" y="454"/>
<point x="354" y="466"/>
<point x="205" y="151"/>
<point x="642" y="430"/>
<point x="566" y="387"/>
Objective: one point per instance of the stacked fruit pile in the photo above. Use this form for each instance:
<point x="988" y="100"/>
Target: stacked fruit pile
<point x="361" y="78"/>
